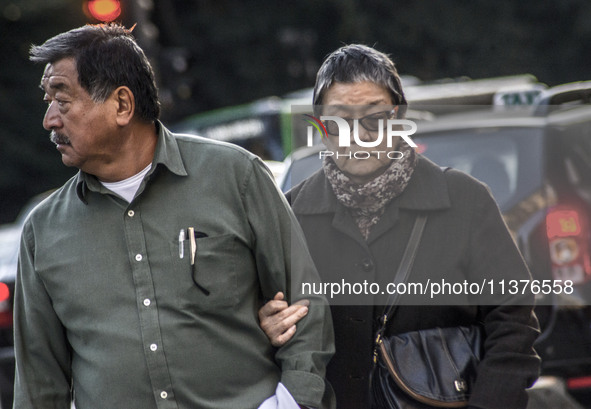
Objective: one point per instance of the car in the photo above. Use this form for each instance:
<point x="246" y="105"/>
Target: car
<point x="9" y="242"/>
<point x="536" y="160"/>
<point x="9" y="246"/>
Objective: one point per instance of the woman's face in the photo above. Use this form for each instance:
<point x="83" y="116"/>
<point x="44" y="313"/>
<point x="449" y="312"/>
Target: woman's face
<point x="355" y="101"/>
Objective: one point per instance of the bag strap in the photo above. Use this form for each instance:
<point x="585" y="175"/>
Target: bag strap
<point x="403" y="271"/>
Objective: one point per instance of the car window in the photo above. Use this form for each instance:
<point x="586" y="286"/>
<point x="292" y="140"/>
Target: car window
<point x="575" y="141"/>
<point x="508" y="160"/>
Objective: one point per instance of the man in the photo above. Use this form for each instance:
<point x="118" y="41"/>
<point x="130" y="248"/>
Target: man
<point x="357" y="213"/>
<point x="139" y="279"/>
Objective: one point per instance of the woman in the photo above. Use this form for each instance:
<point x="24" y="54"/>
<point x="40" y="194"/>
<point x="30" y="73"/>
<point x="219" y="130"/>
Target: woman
<point x="357" y="213"/>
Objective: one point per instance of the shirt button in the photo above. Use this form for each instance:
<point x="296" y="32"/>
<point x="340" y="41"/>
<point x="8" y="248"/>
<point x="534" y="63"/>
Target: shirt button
<point x="153" y="347"/>
<point x="138" y="257"/>
<point x="131" y="213"/>
<point x="147" y="302"/>
<point x="163" y="395"/>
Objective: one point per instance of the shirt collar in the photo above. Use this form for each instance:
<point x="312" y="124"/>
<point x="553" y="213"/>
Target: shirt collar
<point x="167" y="153"/>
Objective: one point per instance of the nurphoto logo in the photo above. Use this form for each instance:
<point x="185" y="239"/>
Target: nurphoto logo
<point x="384" y="128"/>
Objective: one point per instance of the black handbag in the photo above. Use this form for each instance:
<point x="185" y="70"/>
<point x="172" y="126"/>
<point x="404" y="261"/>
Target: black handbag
<point x="432" y="368"/>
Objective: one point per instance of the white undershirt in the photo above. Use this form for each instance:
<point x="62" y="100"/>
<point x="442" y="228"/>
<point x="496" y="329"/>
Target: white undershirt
<point x="127" y="188"/>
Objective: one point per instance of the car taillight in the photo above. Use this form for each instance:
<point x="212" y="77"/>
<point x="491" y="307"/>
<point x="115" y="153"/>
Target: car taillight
<point x="568" y="238"/>
<point x="5" y="306"/>
<point x="583" y="382"/>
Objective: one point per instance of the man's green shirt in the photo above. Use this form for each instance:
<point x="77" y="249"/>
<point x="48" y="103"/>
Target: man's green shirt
<point x="107" y="306"/>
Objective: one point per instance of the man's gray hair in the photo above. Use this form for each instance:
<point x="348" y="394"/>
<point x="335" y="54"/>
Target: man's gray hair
<point x="358" y="63"/>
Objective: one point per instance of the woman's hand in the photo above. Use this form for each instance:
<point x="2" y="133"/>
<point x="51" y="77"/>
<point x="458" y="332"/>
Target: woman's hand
<point x="278" y="319"/>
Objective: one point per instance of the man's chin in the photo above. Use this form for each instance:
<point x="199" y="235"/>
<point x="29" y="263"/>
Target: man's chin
<point x="68" y="161"/>
<point x="68" y="164"/>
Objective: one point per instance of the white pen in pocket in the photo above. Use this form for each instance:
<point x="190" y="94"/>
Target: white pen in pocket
<point x="182" y="243"/>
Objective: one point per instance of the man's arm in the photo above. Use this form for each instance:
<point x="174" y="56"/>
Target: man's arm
<point x="43" y="373"/>
<point x="284" y="265"/>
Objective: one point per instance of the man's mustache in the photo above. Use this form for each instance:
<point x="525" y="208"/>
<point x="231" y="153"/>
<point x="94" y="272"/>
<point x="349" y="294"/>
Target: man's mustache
<point x="59" y="138"/>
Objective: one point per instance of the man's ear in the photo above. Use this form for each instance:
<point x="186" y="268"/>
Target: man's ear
<point x="125" y="103"/>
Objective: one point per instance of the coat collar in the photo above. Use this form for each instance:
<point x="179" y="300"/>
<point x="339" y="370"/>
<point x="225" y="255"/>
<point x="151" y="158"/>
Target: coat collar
<point x="426" y="191"/>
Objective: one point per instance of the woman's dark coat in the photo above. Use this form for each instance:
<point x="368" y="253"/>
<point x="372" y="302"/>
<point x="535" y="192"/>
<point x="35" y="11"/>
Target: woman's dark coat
<point x="465" y="239"/>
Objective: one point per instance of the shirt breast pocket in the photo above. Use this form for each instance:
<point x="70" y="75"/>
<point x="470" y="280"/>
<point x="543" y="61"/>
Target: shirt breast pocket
<point x="211" y="282"/>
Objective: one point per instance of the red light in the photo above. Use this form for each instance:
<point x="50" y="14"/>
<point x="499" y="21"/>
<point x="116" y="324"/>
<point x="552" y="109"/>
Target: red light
<point x="104" y="10"/>
<point x="569" y="244"/>
<point x="5" y="307"/>
<point x="4" y="293"/>
<point x="579" y="383"/>
<point x="421" y="148"/>
<point x="563" y="223"/>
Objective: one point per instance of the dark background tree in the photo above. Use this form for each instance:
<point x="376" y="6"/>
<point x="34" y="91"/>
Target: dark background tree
<point x="215" y="53"/>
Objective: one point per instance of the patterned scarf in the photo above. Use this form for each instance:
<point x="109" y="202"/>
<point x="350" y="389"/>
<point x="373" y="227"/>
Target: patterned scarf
<point x="367" y="202"/>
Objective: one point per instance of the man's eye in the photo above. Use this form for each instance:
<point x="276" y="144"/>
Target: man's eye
<point x="61" y="103"/>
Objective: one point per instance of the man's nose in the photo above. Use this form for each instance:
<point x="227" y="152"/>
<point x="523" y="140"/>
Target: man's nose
<point x="52" y="119"/>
